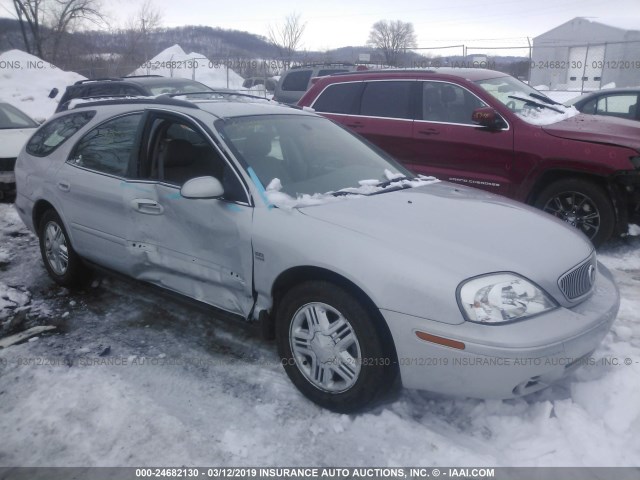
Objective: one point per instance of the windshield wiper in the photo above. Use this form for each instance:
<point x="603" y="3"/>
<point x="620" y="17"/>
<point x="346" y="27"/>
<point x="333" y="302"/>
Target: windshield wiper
<point x="537" y="104"/>
<point x="386" y="183"/>
<point x="544" y="98"/>
<point x="344" y="193"/>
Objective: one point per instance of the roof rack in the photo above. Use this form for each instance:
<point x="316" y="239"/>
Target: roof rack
<point x="385" y="70"/>
<point x="325" y="64"/>
<point x="226" y="93"/>
<point x="141" y="76"/>
<point x="88" y="80"/>
<point x="128" y="100"/>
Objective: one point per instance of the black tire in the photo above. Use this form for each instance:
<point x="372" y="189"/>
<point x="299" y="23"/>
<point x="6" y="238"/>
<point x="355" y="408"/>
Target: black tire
<point x="370" y="360"/>
<point x="72" y="273"/>
<point x="582" y="204"/>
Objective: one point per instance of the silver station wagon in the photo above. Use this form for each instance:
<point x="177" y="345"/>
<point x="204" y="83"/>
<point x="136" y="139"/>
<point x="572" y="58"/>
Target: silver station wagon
<point x="360" y="269"/>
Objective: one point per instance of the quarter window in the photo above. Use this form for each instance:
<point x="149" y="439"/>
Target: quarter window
<point x="109" y="148"/>
<point x="387" y="99"/>
<point x="54" y="133"/>
<point x="338" y="98"/>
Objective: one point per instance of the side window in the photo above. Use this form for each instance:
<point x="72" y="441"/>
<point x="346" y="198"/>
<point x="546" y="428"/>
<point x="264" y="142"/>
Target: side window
<point x="296" y="81"/>
<point x="339" y="98"/>
<point x="617" y="105"/>
<point x="446" y="102"/>
<point x="179" y="152"/>
<point x="54" y="133"/>
<point x="387" y="99"/>
<point x="109" y="147"/>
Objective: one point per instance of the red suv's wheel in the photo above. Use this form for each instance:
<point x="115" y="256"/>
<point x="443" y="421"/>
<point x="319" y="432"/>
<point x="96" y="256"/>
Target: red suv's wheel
<point x="583" y="205"/>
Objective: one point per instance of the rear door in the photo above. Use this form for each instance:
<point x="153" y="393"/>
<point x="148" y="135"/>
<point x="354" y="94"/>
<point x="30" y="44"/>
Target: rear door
<point x="385" y="116"/>
<point x="448" y="145"/>
<point x="92" y="187"/>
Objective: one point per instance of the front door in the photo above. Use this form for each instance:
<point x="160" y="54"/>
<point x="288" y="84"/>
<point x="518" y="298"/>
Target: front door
<point x="197" y="247"/>
<point x="448" y="145"/>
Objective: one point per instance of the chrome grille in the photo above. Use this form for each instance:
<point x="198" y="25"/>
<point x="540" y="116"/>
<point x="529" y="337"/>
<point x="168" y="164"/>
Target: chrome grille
<point x="579" y="281"/>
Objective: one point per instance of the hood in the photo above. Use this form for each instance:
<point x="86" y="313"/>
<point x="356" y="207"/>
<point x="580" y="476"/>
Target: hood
<point x="598" y="129"/>
<point x="12" y="140"/>
<point x="458" y="232"/>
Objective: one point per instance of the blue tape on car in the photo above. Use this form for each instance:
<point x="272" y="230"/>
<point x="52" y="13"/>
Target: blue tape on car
<point x="261" y="190"/>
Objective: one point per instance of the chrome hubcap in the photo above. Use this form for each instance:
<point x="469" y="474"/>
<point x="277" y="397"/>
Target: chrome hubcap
<point x="577" y="210"/>
<point x="55" y="248"/>
<point x="325" y="347"/>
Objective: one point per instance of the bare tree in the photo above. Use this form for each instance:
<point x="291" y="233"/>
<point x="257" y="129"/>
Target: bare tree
<point x="286" y="37"/>
<point x="44" y="23"/>
<point x="146" y="20"/>
<point x="392" y="37"/>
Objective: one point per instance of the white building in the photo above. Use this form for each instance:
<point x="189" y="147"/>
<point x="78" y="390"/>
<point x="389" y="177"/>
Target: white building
<point x="585" y="54"/>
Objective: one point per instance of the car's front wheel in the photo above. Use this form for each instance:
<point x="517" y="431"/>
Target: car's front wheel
<point x="582" y="204"/>
<point x="334" y="350"/>
<point x="60" y="259"/>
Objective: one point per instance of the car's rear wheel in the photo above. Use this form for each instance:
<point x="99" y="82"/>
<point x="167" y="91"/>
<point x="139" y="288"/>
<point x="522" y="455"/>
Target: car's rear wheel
<point x="60" y="259"/>
<point x="582" y="204"/>
<point x="333" y="349"/>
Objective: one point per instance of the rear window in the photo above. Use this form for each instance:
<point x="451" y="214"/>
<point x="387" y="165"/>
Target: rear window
<point x="54" y="133"/>
<point x="11" y="117"/>
<point x="296" y="81"/>
<point x="387" y="99"/>
<point x="338" y="98"/>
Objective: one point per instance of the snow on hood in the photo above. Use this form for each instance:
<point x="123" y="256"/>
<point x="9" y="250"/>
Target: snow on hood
<point x="175" y="62"/>
<point x="546" y="116"/>
<point x="26" y="81"/>
<point x="367" y="187"/>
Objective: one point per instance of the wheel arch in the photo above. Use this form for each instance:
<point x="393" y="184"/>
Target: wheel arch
<point x="39" y="209"/>
<point x="296" y="275"/>
<point x="610" y="188"/>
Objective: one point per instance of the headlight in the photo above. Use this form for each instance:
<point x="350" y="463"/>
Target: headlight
<point x="500" y="298"/>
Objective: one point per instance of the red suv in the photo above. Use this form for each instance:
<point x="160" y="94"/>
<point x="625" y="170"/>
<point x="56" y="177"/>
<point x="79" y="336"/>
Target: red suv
<point x="486" y="129"/>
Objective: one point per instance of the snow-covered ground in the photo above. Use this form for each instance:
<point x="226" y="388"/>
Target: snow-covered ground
<point x="133" y="378"/>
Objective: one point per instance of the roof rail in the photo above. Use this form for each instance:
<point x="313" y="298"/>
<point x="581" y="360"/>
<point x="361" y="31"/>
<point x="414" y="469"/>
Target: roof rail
<point x="113" y="100"/>
<point x="141" y="76"/>
<point x="325" y="64"/>
<point x="385" y="70"/>
<point x="225" y="93"/>
<point x="88" y="80"/>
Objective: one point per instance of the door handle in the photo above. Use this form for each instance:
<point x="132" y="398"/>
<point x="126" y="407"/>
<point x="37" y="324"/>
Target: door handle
<point x="429" y="131"/>
<point x="64" y="186"/>
<point x="355" y="125"/>
<point x="148" y="206"/>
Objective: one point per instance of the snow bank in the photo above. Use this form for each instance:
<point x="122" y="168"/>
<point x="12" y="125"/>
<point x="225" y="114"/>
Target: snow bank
<point x="174" y="62"/>
<point x="26" y="80"/>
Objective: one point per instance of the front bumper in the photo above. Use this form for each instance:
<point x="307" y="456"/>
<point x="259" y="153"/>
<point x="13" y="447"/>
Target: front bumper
<point x="504" y="361"/>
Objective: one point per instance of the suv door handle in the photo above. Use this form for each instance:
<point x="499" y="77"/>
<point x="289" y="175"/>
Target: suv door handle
<point x="148" y="206"/>
<point x="64" y="186"/>
<point x="355" y="125"/>
<point x="429" y="131"/>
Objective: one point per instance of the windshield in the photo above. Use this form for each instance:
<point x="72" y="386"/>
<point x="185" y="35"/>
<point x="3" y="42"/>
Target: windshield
<point x="11" y="117"/>
<point x="304" y="155"/>
<point x="525" y="101"/>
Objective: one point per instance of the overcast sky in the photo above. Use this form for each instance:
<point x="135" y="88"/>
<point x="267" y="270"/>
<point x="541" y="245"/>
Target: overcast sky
<point x="337" y="23"/>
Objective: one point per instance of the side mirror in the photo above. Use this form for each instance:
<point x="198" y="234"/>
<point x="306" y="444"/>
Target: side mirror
<point x="202" y="187"/>
<point x="487" y="117"/>
<point x="53" y="93"/>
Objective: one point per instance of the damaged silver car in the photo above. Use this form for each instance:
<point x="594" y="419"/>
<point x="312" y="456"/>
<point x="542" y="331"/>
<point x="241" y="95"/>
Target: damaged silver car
<point x="363" y="271"/>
